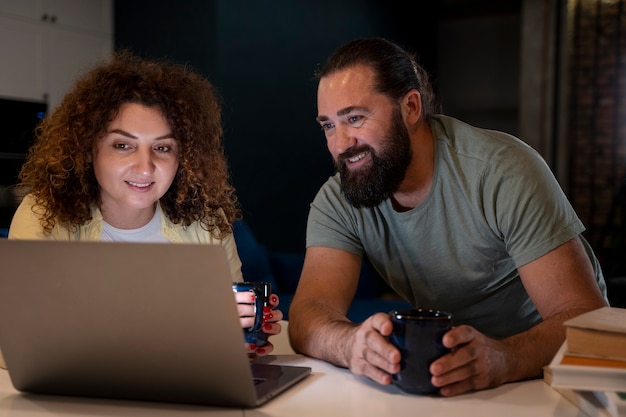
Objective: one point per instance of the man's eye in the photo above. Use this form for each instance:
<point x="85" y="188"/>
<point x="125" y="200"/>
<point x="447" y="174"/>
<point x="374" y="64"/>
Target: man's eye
<point x="327" y="126"/>
<point x="354" y="119"/>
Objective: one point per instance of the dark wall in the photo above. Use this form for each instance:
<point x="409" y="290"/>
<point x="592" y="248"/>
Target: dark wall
<point x="183" y="31"/>
<point x="262" y="55"/>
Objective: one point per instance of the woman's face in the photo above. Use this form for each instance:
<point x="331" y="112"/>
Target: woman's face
<point x="134" y="163"/>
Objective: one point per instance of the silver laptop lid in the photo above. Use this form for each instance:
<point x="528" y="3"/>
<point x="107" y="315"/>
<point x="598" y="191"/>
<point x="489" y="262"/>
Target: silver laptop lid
<point x="142" y="321"/>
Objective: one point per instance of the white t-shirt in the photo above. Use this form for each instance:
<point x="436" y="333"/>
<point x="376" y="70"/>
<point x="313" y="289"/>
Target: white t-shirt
<point x="151" y="232"/>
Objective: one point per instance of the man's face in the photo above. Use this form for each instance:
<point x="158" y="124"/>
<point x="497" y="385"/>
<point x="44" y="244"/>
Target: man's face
<point x="365" y="134"/>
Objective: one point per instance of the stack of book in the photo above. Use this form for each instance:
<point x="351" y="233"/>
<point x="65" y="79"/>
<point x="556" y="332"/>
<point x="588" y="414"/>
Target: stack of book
<point x="590" y="368"/>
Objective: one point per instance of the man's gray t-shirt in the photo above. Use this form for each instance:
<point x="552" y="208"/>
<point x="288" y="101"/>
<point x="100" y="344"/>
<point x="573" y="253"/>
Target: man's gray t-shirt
<point x="494" y="205"/>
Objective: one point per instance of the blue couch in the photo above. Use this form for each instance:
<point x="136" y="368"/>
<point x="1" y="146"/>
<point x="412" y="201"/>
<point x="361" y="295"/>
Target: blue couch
<point x="282" y="269"/>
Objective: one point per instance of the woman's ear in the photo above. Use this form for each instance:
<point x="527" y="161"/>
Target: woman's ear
<point x="411" y="105"/>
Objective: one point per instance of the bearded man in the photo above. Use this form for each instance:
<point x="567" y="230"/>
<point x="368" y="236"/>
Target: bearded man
<point x="453" y="217"/>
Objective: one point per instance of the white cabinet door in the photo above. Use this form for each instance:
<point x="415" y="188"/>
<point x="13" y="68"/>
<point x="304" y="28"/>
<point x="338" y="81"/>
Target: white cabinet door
<point x="42" y="57"/>
<point x="26" y="9"/>
<point x="71" y="54"/>
<point x="22" y="46"/>
<point x="83" y="15"/>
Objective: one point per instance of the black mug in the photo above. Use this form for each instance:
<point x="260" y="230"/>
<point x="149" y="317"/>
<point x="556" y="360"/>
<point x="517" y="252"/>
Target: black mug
<point x="418" y="334"/>
<point x="261" y="290"/>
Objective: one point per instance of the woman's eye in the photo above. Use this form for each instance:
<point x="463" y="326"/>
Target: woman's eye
<point x="121" y="146"/>
<point x="163" y="148"/>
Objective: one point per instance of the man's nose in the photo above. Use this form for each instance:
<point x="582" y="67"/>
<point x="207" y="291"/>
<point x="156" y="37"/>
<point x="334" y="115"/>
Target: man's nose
<point x="344" y="140"/>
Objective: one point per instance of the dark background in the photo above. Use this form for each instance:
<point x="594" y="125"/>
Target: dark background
<point x="262" y="57"/>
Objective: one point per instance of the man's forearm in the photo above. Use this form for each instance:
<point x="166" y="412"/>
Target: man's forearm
<point x="531" y="350"/>
<point x="318" y="331"/>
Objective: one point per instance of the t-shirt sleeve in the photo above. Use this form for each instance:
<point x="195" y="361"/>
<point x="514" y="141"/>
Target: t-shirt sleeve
<point x="331" y="222"/>
<point x="526" y="206"/>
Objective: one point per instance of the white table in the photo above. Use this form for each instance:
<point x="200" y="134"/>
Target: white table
<point x="329" y="391"/>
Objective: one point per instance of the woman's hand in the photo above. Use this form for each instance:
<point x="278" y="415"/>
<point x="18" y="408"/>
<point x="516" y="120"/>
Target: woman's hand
<point x="271" y="317"/>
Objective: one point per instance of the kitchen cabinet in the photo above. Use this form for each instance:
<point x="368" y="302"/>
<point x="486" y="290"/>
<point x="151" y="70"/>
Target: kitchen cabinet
<point x="45" y="44"/>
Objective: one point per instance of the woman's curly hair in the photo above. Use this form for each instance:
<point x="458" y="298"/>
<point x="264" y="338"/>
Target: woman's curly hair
<point x="59" y="173"/>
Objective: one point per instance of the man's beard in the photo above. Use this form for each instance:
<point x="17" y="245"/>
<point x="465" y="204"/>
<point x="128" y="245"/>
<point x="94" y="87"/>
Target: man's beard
<point x="370" y="185"/>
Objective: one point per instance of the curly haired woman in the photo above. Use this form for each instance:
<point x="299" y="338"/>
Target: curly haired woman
<point x="134" y="153"/>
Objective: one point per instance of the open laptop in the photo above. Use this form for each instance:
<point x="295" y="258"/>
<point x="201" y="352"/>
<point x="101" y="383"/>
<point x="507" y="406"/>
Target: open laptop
<point x="137" y="321"/>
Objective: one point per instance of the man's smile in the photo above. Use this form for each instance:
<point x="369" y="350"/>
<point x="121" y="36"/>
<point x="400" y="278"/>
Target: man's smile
<point x="357" y="157"/>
